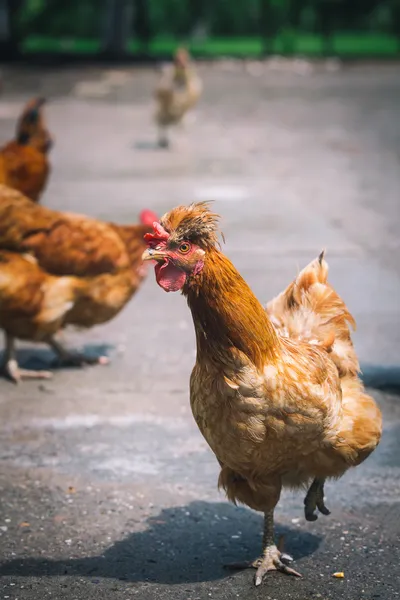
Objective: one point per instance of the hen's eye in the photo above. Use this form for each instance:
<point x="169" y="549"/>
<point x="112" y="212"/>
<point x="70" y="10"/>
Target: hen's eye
<point x="184" y="248"/>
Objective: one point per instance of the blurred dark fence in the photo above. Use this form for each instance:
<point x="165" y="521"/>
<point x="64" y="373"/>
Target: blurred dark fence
<point x="210" y="27"/>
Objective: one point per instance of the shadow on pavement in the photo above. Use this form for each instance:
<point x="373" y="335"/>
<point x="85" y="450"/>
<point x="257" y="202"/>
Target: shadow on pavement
<point x="180" y="545"/>
<point x="148" y="145"/>
<point x="44" y="358"/>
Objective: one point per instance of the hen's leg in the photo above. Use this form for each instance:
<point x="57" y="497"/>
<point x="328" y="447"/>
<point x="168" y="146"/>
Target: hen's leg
<point x="272" y="558"/>
<point x="315" y="499"/>
<point x="72" y="359"/>
<point x="163" y="140"/>
<point x="10" y="366"/>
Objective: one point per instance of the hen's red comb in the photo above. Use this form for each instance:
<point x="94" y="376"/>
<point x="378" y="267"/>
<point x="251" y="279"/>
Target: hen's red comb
<point x="147" y="217"/>
<point x="159" y="235"/>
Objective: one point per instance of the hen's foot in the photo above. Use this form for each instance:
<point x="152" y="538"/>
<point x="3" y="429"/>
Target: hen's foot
<point x="163" y="143"/>
<point x="272" y="560"/>
<point x="254" y="564"/>
<point x="12" y="371"/>
<point x="315" y="499"/>
<point x="163" y="138"/>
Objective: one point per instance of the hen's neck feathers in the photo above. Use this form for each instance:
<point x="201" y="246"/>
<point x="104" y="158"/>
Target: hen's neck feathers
<point x="227" y="315"/>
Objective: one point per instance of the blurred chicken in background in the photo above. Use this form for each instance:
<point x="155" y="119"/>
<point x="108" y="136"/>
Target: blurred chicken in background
<point x="24" y="165"/>
<point x="59" y="269"/>
<point x="177" y="92"/>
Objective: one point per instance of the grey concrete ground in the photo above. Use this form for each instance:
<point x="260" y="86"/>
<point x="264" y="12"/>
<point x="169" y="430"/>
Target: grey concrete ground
<point x="107" y="489"/>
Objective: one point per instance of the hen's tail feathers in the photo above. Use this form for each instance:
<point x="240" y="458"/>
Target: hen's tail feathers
<point x="361" y="424"/>
<point x="310" y="310"/>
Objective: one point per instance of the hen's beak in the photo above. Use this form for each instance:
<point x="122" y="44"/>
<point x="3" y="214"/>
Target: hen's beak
<point x="151" y="254"/>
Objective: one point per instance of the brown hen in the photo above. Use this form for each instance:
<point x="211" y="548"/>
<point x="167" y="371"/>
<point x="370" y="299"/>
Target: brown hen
<point x="24" y="165"/>
<point x="89" y="268"/>
<point x="275" y="393"/>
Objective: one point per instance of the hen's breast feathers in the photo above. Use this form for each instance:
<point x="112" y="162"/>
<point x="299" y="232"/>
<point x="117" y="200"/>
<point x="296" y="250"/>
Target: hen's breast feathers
<point x="296" y="418"/>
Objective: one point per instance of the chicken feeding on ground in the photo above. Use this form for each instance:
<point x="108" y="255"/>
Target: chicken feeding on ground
<point x="275" y="392"/>
<point x="59" y="269"/>
<point x="24" y="163"/>
<point x="177" y="92"/>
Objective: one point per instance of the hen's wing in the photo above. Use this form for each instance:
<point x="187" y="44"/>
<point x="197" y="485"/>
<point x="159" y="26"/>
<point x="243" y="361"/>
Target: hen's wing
<point x="62" y="243"/>
<point x="33" y="304"/>
<point x="311" y="310"/>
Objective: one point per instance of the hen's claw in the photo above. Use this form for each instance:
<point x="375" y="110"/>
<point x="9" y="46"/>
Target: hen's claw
<point x="315" y="499"/>
<point x="273" y="560"/>
<point x="322" y="508"/>
<point x="11" y="370"/>
<point x="286" y="558"/>
<point x="273" y="557"/>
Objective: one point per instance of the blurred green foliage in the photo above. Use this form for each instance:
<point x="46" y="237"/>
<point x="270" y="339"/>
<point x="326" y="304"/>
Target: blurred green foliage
<point x="51" y="17"/>
<point x="285" y="23"/>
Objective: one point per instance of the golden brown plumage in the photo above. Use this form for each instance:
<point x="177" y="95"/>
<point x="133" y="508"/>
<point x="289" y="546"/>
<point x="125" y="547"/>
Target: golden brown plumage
<point x="33" y="304"/>
<point x="24" y="165"/>
<point x="310" y="309"/>
<point x="275" y="393"/>
<point x="94" y="268"/>
<point x="177" y="92"/>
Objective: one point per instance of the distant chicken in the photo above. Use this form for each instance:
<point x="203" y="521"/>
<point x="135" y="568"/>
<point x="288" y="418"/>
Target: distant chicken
<point x="275" y="393"/>
<point x="59" y="269"/>
<point x="177" y="92"/>
<point x="24" y="165"/>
